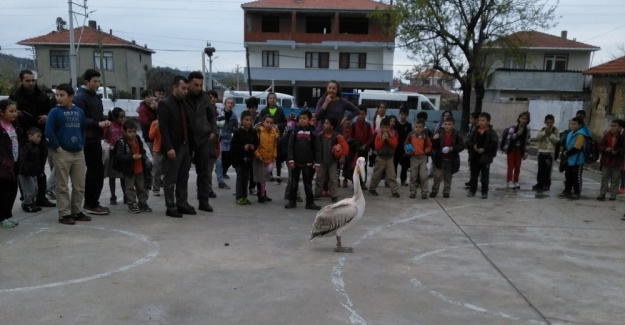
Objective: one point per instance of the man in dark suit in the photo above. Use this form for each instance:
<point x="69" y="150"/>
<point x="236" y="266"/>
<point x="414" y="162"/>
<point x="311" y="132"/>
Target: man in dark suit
<point x="177" y="145"/>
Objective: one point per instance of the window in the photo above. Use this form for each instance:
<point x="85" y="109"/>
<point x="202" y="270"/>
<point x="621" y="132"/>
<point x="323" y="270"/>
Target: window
<point x="556" y="62"/>
<point x="271" y="59"/>
<point x="515" y="63"/>
<point x="270" y="24"/>
<point x="318" y="60"/>
<point x="59" y="59"/>
<point x="354" y="25"/>
<point x="352" y="60"/>
<point x="107" y="60"/>
<point x="318" y="25"/>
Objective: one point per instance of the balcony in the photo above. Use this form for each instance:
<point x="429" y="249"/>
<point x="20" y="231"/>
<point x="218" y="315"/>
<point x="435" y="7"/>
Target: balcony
<point x="322" y="75"/>
<point x="536" y="80"/>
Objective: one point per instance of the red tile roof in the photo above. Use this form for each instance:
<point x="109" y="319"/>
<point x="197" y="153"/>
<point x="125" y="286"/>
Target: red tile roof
<point x="324" y="5"/>
<point x="431" y="73"/>
<point x="614" y="67"/>
<point x="538" y="40"/>
<point x="90" y="37"/>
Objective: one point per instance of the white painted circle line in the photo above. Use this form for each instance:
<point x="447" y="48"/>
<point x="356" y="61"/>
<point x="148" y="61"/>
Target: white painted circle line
<point x="152" y="253"/>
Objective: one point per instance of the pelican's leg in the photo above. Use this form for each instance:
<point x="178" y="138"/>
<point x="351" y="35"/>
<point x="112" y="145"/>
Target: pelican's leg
<point x="340" y="249"/>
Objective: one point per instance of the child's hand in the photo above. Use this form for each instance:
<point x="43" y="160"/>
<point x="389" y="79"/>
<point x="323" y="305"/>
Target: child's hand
<point x="436" y="136"/>
<point x="291" y="164"/>
<point x="137" y="156"/>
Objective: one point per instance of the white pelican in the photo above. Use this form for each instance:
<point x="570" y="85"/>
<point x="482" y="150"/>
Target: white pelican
<point x="335" y="218"/>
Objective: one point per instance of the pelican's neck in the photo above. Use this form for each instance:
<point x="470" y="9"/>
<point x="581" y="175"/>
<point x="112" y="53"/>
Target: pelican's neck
<point x="357" y="188"/>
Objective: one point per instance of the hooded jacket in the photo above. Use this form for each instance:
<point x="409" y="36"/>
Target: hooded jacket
<point x="91" y="104"/>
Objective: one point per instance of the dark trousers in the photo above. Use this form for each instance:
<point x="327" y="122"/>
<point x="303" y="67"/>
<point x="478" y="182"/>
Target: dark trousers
<point x="203" y="170"/>
<point x="94" y="178"/>
<point x="573" y="179"/>
<point x="177" y="178"/>
<point x="244" y="172"/>
<point x="307" y="175"/>
<point x="478" y="169"/>
<point x="41" y="178"/>
<point x="403" y="161"/>
<point x="545" y="163"/>
<point x="226" y="161"/>
<point x="8" y="193"/>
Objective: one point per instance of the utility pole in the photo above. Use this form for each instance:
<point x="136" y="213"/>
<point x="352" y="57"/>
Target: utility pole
<point x="237" y="77"/>
<point x="102" y="68"/>
<point x="72" y="42"/>
<point x="209" y="50"/>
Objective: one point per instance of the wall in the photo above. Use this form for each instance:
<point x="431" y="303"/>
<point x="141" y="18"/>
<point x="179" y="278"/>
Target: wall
<point x="503" y="114"/>
<point x="562" y="111"/>
<point x="599" y="120"/>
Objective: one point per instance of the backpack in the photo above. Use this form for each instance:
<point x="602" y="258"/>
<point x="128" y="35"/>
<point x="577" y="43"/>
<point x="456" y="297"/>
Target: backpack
<point x="591" y="151"/>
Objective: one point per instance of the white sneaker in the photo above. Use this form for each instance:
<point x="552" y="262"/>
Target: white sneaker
<point x="516" y="186"/>
<point x="509" y="185"/>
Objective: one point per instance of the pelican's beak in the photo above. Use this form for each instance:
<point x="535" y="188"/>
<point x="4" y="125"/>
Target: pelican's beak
<point x="358" y="169"/>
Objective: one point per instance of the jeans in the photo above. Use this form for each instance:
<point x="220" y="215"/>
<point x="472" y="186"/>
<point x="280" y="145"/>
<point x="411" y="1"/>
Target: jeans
<point x="244" y="172"/>
<point x="29" y="189"/>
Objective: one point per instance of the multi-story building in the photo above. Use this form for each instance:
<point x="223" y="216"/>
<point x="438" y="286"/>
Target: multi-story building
<point x="546" y="67"/>
<point x="300" y="45"/>
<point x="122" y="63"/>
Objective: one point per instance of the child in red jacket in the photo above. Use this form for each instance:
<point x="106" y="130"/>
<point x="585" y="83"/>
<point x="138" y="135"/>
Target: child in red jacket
<point x="385" y="143"/>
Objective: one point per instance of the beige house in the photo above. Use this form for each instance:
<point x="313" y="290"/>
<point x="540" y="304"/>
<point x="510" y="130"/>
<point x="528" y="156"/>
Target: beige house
<point x="122" y="63"/>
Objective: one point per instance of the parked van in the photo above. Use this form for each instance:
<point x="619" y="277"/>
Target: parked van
<point x="395" y="100"/>
<point x="286" y="101"/>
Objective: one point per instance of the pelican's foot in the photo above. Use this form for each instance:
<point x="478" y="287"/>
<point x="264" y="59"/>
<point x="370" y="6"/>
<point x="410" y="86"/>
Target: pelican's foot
<point x="343" y="249"/>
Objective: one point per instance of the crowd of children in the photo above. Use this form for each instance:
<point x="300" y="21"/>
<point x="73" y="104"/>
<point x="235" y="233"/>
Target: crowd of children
<point x="327" y="149"/>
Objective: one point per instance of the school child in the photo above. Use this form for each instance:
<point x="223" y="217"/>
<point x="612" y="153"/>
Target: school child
<point x="575" y="144"/>
<point x="363" y="134"/>
<point x="244" y="143"/>
<point x="547" y="139"/>
<point x="111" y="134"/>
<point x="9" y="154"/>
<point x="403" y="128"/>
<point x="333" y="148"/>
<point x="418" y="146"/>
<point x="483" y="145"/>
<point x="131" y="161"/>
<point x="514" y="142"/>
<point x="424" y="116"/>
<point x="446" y="147"/>
<point x="611" y="148"/>
<point x="302" y="158"/>
<point x="265" y="155"/>
<point x="385" y="143"/>
<point x="65" y="130"/>
<point x="473" y="119"/>
<point x="157" y="159"/>
<point x="30" y="167"/>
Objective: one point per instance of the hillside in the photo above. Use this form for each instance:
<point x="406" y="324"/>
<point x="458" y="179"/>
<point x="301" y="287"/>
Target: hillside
<point x="10" y="67"/>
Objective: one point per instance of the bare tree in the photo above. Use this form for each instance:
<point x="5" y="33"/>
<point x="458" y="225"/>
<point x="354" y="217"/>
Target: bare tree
<point x="452" y="35"/>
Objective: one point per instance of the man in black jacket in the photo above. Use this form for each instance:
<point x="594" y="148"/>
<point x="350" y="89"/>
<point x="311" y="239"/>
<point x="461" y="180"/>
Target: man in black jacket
<point x="204" y="125"/>
<point x="177" y="145"/>
<point x="33" y="108"/>
<point x="88" y="100"/>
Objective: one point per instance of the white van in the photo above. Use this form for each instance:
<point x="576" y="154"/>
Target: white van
<point x="286" y="101"/>
<point x="395" y="100"/>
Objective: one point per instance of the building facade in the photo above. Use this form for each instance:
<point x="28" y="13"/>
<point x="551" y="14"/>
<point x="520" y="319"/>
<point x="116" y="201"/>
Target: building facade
<point x="545" y="67"/>
<point x="122" y="63"/>
<point x="298" y="46"/>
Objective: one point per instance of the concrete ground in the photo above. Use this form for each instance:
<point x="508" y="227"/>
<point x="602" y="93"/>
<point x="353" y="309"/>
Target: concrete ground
<point x="516" y="258"/>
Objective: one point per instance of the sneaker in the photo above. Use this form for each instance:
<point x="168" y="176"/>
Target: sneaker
<point x="446" y="195"/>
<point x="471" y="194"/>
<point x="45" y="203"/>
<point x="509" y="185"/>
<point x="537" y="187"/>
<point x="516" y="186"/>
<point x="81" y="217"/>
<point x="13" y="221"/>
<point x="612" y="198"/>
<point x="313" y="207"/>
<point x="113" y="200"/>
<point x="226" y="177"/>
<point x="205" y="206"/>
<point x="240" y="201"/>
<point x="96" y="210"/>
<point x="290" y="205"/>
<point x="395" y="195"/>
<point x="144" y="208"/>
<point x="156" y="192"/>
<point x="424" y="196"/>
<point x="433" y="194"/>
<point x="212" y="195"/>
<point x="246" y="201"/>
<point x="252" y="191"/>
<point x="565" y="194"/>
<point x="412" y="195"/>
<point x="173" y="213"/>
<point x="134" y="208"/>
<point x="67" y="220"/>
<point x="7" y="224"/>
<point x="224" y="186"/>
<point x="373" y="193"/>
<point x="574" y="196"/>
<point x="484" y="195"/>
<point x="51" y="195"/>
<point x="601" y="198"/>
<point x="279" y="180"/>
<point x="29" y="208"/>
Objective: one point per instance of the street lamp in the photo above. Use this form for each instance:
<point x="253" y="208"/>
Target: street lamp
<point x="209" y="50"/>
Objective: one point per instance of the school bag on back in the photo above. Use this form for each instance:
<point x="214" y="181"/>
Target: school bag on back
<point x="591" y="152"/>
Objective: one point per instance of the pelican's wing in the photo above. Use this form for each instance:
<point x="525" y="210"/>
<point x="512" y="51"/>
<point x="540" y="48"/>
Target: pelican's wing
<point x="332" y="217"/>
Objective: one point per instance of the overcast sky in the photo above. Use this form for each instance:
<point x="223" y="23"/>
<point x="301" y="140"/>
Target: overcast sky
<point x="179" y="29"/>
